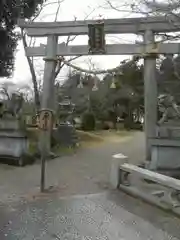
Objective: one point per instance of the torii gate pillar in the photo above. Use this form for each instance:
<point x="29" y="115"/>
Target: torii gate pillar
<point x="150" y="94"/>
<point x="48" y="100"/>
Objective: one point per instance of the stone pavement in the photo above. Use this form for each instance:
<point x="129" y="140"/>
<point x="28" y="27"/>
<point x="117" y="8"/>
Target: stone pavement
<point x="110" y="215"/>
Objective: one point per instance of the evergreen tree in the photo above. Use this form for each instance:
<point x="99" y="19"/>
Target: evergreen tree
<point x="10" y="10"/>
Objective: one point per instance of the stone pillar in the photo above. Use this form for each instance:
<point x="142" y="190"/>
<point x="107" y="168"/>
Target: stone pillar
<point x="150" y="93"/>
<point x="116" y="162"/>
<point x="48" y="99"/>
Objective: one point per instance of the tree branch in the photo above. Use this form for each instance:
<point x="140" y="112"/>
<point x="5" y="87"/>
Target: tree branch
<point x="42" y="8"/>
<point x="70" y="39"/>
<point x="125" y="10"/>
<point x="33" y="74"/>
<point x="4" y="91"/>
<point x="58" y="8"/>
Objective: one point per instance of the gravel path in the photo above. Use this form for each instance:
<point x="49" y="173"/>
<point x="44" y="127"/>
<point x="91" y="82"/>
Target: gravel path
<point x="25" y="214"/>
<point x="85" y="172"/>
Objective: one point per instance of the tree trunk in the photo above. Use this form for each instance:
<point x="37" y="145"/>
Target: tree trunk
<point x="128" y="121"/>
<point x="33" y="75"/>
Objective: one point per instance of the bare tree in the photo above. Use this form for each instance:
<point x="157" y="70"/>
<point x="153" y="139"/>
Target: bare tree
<point x="32" y="70"/>
<point x="143" y="7"/>
<point x="168" y="8"/>
<point x="60" y="64"/>
<point x="31" y="44"/>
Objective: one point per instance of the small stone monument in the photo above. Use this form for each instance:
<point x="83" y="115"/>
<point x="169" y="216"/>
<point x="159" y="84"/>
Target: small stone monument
<point x="13" y="137"/>
<point x="166" y="146"/>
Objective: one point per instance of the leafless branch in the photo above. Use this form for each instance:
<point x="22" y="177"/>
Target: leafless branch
<point x="153" y="8"/>
<point x="58" y="8"/>
<point x="44" y="6"/>
<point x="32" y="41"/>
<point x="4" y="91"/>
<point x="119" y="9"/>
<point x="162" y="7"/>
<point x="32" y="70"/>
<point x="69" y="39"/>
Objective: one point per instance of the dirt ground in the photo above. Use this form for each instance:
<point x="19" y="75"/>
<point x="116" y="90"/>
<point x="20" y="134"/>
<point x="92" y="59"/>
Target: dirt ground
<point x="83" y="172"/>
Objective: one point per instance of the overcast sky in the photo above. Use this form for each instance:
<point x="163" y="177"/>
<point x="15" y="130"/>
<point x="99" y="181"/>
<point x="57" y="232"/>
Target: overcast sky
<point x="70" y="9"/>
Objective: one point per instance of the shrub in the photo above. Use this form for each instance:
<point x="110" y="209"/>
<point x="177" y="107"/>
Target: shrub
<point x="88" y="121"/>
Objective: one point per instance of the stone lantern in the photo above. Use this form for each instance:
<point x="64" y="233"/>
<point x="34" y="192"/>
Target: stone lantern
<point x="65" y="110"/>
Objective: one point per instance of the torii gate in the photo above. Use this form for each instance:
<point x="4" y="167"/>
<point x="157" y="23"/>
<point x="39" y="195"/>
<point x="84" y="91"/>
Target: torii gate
<point x="147" y="27"/>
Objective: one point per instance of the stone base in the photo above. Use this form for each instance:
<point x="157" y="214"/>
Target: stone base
<point x="13" y="140"/>
<point x="168" y="132"/>
<point x="165" y="158"/>
<point x="9" y="123"/>
<point x="13" y="146"/>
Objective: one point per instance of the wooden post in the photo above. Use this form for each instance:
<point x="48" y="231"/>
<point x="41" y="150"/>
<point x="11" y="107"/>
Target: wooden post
<point x="47" y="100"/>
<point x="150" y="94"/>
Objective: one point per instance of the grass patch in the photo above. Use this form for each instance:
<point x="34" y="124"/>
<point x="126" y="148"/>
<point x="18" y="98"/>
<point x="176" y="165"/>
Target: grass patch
<point x="33" y="136"/>
<point x="123" y="132"/>
<point x="33" y="147"/>
<point x="109" y="133"/>
<point x="63" y="150"/>
<point x="85" y="138"/>
<point x="89" y="136"/>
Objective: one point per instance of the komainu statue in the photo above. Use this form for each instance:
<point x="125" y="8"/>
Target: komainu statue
<point x="168" y="108"/>
<point x="13" y="106"/>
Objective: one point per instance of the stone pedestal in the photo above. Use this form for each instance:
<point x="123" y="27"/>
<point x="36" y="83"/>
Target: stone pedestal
<point x="165" y="150"/>
<point x="13" y="141"/>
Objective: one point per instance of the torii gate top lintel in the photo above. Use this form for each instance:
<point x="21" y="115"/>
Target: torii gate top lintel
<point x="111" y="26"/>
